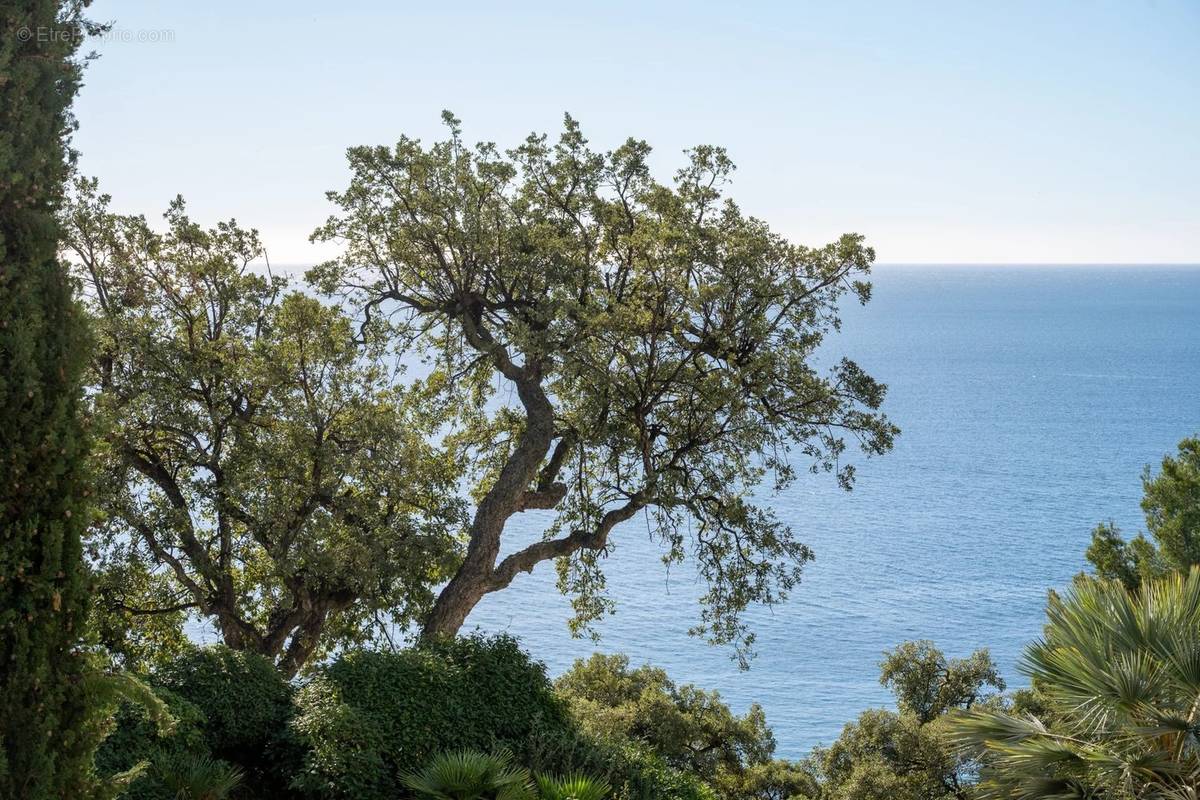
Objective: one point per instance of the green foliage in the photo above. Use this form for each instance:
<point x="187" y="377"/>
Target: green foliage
<point x="777" y="779"/>
<point x="138" y="743"/>
<point x="691" y="729"/>
<point x="888" y="755"/>
<point x="1114" y="558"/>
<point x="576" y="786"/>
<point x="199" y="777"/>
<point x="928" y="685"/>
<point x="370" y="716"/>
<point x="1171" y="503"/>
<point x="138" y="642"/>
<point x="109" y="692"/>
<point x="657" y="345"/>
<point x="470" y="775"/>
<point x="244" y="700"/>
<point x="633" y="770"/>
<point x="49" y="726"/>
<point x="1122" y="673"/>
<point x="908" y="754"/>
<point x="260" y="468"/>
<point x="232" y="707"/>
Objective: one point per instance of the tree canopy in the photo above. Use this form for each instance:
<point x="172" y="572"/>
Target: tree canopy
<point x="260" y="470"/>
<point x="691" y="728"/>
<point x="1171" y="503"/>
<point x="657" y="349"/>
<point x="907" y="754"/>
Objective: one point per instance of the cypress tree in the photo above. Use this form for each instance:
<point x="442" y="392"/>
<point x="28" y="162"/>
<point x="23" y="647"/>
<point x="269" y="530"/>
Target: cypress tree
<point x="47" y="726"/>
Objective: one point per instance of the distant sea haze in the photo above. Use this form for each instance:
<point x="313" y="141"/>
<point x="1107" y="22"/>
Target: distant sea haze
<point x="1030" y="400"/>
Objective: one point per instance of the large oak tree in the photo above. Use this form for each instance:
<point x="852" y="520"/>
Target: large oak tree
<point x="261" y="472"/>
<point x="657" y="349"/>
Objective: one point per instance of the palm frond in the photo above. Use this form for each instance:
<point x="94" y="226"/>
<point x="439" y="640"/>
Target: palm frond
<point x="576" y="786"/>
<point x="200" y="778"/>
<point x="470" y="775"/>
<point x="1122" y="672"/>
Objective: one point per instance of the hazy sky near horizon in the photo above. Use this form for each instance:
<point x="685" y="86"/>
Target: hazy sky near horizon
<point x="945" y="132"/>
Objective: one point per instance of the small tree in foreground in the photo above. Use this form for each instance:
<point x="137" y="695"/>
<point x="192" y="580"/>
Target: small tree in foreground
<point x="657" y="349"/>
<point x="692" y="729"/>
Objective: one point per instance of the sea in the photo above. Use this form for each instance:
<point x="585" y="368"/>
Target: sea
<point x="1030" y="400"/>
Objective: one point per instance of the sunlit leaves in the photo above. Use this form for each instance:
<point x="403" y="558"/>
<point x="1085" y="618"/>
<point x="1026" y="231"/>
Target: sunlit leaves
<point x="265" y="465"/>
<point x="906" y="754"/>
<point x="673" y="338"/>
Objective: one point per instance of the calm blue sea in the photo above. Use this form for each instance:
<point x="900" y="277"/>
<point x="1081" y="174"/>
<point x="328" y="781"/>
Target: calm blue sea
<point x="1030" y="399"/>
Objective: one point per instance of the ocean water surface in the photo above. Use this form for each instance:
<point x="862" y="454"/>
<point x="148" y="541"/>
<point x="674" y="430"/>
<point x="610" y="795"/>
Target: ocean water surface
<point x="1030" y="399"/>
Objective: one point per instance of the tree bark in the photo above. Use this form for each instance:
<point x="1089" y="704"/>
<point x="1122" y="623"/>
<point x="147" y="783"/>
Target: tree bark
<point x="529" y="479"/>
<point x="480" y="572"/>
<point x="506" y="497"/>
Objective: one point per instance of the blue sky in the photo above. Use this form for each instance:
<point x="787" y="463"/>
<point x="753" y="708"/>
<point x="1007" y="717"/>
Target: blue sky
<point x="956" y="132"/>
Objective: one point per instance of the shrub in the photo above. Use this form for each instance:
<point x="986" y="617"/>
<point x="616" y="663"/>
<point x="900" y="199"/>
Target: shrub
<point x="369" y="717"/>
<point x="633" y="769"/>
<point x="229" y="705"/>
<point x="136" y="739"/>
<point x="245" y="700"/>
<point x="692" y="729"/>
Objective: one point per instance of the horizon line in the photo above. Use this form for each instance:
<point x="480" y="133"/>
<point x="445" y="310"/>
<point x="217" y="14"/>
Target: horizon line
<point x="1036" y="264"/>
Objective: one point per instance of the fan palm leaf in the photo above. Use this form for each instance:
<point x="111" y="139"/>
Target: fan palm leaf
<point x="200" y="778"/>
<point x="1122" y="671"/>
<point x="572" y="787"/>
<point x="469" y="775"/>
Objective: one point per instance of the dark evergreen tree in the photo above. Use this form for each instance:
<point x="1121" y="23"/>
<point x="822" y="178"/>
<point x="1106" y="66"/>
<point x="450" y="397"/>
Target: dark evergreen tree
<point x="46" y="726"/>
<point x="1171" y="502"/>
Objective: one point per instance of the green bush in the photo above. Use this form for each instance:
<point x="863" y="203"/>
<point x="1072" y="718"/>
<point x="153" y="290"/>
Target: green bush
<point x="369" y="717"/>
<point x="690" y="729"/>
<point x="245" y="700"/>
<point x="247" y="705"/>
<point x="639" y="774"/>
<point x="632" y="769"/>
<point x="229" y="705"/>
<point x="136" y="739"/>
